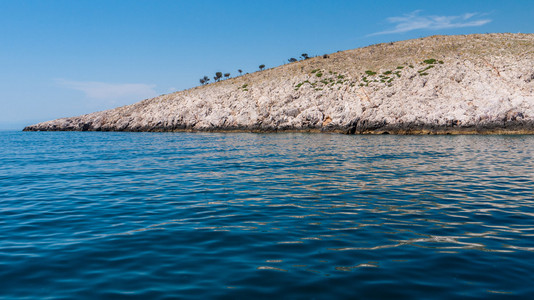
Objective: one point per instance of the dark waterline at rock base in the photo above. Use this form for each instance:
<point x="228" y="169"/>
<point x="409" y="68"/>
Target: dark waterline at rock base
<point x="504" y="127"/>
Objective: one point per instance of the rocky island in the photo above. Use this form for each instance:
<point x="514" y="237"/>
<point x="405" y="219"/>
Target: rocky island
<point x="481" y="83"/>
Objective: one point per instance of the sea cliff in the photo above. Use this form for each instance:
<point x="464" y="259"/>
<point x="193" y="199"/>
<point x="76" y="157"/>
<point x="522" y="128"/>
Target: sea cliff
<point x="435" y="85"/>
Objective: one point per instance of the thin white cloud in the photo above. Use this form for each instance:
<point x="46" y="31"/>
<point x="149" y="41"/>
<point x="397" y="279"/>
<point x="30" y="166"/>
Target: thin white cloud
<point x="108" y="91"/>
<point x="414" y="21"/>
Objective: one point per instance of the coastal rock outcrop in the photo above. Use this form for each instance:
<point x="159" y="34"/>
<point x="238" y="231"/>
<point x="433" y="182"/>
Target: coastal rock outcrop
<point x="439" y="84"/>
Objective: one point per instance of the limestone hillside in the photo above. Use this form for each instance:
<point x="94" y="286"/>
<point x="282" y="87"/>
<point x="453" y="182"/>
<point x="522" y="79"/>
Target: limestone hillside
<point x="440" y="84"/>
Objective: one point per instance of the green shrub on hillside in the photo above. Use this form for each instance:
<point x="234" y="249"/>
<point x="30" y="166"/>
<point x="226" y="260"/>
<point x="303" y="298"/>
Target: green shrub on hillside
<point x="425" y="69"/>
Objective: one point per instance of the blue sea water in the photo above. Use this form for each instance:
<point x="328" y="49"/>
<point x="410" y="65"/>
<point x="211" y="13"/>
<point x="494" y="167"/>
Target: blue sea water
<point x="252" y="216"/>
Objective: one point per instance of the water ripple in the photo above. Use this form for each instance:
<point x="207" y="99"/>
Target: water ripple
<point x="147" y="215"/>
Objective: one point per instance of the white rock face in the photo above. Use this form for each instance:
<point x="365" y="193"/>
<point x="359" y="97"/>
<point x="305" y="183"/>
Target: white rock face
<point x="440" y="84"/>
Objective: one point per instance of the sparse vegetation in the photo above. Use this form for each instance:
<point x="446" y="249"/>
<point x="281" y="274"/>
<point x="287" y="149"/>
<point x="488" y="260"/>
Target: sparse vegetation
<point x="425" y="69"/>
<point x="327" y="79"/>
<point x="302" y="83"/>
<point x="204" y="80"/>
<point x="382" y="70"/>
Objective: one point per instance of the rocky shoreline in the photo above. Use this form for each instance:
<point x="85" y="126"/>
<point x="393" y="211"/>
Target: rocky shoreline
<point x="475" y="84"/>
<point x="505" y="127"/>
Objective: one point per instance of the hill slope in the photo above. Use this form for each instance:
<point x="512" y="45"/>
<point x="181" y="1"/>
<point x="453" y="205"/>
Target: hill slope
<point x="439" y="84"/>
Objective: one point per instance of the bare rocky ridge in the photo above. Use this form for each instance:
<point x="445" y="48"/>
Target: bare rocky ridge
<point x="439" y="84"/>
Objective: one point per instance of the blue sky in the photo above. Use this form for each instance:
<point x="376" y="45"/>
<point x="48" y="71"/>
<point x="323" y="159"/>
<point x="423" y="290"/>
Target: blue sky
<point x="65" y="58"/>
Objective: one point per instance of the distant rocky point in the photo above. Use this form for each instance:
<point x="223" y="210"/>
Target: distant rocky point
<point x="481" y="83"/>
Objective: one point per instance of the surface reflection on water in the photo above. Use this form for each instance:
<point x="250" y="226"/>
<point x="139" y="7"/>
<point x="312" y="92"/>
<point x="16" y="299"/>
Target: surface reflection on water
<point x="257" y="215"/>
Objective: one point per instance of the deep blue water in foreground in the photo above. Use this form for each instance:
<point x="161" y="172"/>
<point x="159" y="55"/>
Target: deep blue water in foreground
<point x="248" y="216"/>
